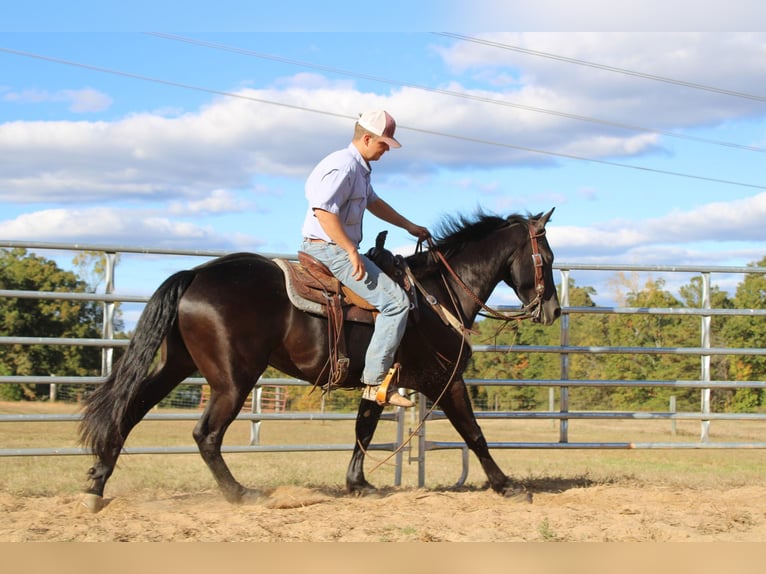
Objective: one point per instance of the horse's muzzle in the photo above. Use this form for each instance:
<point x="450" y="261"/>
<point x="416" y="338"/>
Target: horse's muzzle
<point x="547" y="313"/>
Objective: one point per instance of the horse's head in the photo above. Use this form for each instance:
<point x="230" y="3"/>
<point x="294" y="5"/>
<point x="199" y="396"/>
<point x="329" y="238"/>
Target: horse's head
<point x="531" y="273"/>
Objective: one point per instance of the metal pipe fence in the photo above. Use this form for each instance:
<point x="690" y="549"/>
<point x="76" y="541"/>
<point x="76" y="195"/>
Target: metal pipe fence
<point x="564" y="350"/>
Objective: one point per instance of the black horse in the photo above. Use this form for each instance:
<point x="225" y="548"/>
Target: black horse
<point x="231" y="317"/>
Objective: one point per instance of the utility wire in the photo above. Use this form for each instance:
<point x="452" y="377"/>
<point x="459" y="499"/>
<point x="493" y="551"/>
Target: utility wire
<point x="452" y="93"/>
<point x="345" y="116"/>
<point x="615" y="69"/>
<point x="167" y="82"/>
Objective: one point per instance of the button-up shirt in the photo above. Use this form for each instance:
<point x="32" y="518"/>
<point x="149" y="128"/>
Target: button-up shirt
<point x="339" y="184"/>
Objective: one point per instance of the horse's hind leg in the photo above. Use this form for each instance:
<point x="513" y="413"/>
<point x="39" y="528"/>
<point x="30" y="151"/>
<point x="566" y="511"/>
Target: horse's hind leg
<point x="226" y="400"/>
<point x="174" y="367"/>
<point x="366" y="422"/>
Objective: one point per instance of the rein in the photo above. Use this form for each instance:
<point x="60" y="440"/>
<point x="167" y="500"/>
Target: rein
<point x="530" y="311"/>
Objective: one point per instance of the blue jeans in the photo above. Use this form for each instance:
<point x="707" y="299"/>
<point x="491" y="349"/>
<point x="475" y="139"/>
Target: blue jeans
<point x="378" y="289"/>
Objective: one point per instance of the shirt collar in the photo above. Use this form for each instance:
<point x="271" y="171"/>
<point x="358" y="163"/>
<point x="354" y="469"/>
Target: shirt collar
<point x="358" y="157"/>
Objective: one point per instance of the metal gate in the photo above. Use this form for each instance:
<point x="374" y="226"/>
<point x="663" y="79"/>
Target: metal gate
<point x="562" y="416"/>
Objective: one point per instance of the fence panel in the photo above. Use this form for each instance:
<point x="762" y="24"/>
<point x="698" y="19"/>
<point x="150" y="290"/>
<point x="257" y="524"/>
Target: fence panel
<point x="258" y="411"/>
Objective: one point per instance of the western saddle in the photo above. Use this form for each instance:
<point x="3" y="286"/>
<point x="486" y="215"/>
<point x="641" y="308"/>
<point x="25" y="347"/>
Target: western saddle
<point x="313" y="288"/>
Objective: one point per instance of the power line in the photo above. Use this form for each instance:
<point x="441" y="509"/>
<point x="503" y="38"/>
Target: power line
<point x="615" y="69"/>
<point x="451" y="93"/>
<point x="345" y="116"/>
<point x="166" y="82"/>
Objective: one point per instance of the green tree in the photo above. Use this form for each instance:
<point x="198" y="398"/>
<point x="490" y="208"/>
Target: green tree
<point x="29" y="317"/>
<point x="648" y="331"/>
<point x="519" y="364"/>
<point x="748" y="332"/>
<point x="586" y="330"/>
<point x="692" y="295"/>
<point x="92" y="267"/>
<point x="501" y="365"/>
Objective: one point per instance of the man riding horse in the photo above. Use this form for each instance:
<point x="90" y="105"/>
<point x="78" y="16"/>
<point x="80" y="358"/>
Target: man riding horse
<point x="338" y="192"/>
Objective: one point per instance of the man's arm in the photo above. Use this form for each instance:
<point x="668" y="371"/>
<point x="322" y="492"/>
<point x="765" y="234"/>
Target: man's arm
<point x="334" y="229"/>
<point x="384" y="211"/>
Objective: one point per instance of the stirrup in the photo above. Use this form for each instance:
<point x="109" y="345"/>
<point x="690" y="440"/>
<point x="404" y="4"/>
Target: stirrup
<point x="383" y="397"/>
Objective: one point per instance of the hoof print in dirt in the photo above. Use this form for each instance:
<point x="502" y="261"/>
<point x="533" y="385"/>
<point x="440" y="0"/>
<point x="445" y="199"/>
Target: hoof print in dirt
<point x="518" y="495"/>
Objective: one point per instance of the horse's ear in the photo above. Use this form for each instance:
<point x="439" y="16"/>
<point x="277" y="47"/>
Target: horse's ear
<point x="540" y="224"/>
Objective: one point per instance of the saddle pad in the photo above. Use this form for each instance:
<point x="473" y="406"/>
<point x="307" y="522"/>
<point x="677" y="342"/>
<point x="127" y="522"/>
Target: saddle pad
<point x="309" y="295"/>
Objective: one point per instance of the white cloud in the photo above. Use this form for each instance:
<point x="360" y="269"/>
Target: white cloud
<point x="192" y="163"/>
<point x="733" y="61"/>
<point x="673" y="238"/>
<point x="720" y="221"/>
<point x="219" y="201"/>
<point x="718" y="16"/>
<point x="224" y="144"/>
<point x="86" y="100"/>
<point x="100" y="225"/>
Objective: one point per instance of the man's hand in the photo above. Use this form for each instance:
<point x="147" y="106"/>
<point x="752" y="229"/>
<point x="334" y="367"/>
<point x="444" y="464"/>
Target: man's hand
<point x="418" y="231"/>
<point x="332" y="226"/>
<point x="358" y="264"/>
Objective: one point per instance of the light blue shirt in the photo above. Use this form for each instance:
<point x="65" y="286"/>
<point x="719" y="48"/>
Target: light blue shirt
<point x="339" y="184"/>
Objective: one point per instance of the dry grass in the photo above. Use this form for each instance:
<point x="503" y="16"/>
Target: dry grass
<point x="542" y="470"/>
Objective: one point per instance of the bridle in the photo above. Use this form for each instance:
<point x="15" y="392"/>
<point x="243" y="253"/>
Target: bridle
<point x="531" y="310"/>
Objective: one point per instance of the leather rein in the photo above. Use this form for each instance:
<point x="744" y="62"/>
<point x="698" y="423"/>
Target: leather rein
<point x="531" y="310"/>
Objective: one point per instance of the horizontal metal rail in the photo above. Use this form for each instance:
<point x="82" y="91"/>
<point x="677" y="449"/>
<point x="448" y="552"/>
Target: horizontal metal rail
<point x="73" y="380"/>
<point x="194" y="416"/>
<point x="705" y="351"/>
<point x="595" y="350"/>
<point x="609" y="415"/>
<point x="444" y="445"/>
<point x="69" y="296"/>
<point x="557" y="349"/>
<point x="21" y="452"/>
<point x="616" y="383"/>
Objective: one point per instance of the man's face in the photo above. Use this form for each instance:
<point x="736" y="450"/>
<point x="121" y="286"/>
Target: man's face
<point x="374" y="148"/>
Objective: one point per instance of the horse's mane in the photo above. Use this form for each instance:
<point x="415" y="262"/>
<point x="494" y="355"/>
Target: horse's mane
<point x="454" y="232"/>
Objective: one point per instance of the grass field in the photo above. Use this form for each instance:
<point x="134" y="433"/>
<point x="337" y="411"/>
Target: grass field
<point x="716" y="468"/>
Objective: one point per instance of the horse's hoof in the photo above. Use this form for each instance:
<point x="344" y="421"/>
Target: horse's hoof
<point x="94" y="502"/>
<point x="243" y="495"/>
<point x="252" y="496"/>
<point x="365" y="489"/>
<point x="518" y="495"/>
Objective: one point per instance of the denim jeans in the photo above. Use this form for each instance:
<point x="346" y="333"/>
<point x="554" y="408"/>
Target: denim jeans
<point x="378" y="289"/>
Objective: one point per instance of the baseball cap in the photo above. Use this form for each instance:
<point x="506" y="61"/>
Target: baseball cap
<point x="380" y="123"/>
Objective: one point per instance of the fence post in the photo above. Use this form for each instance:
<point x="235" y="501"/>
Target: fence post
<point x="255" y="426"/>
<point x="672" y="409"/>
<point x="705" y="359"/>
<point x="107" y="332"/>
<point x="552" y="403"/>
<point x="564" y="391"/>
<point x="421" y="434"/>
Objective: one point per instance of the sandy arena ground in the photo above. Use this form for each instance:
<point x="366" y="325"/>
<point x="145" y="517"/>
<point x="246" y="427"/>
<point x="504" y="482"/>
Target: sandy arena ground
<point x="559" y="512"/>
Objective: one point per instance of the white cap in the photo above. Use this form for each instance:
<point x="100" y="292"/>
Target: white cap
<point x="380" y="123"/>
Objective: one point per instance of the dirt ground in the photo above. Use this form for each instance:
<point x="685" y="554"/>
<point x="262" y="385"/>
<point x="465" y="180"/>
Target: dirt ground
<point x="558" y="512"/>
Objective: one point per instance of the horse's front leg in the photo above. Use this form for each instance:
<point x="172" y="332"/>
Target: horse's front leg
<point x="457" y="406"/>
<point x="366" y="422"/>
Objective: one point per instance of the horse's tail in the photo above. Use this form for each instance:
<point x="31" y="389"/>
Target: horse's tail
<point x="106" y="408"/>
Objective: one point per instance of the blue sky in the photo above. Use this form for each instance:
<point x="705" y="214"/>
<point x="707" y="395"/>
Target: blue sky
<point x="203" y="139"/>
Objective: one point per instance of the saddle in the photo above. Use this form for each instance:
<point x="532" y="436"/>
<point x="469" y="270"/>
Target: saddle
<point x="313" y="288"/>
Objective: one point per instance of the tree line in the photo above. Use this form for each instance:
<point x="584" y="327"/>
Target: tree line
<point x="21" y="270"/>
<point x="633" y="330"/>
